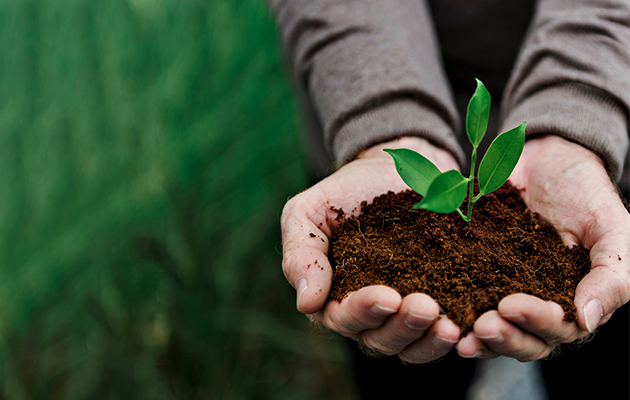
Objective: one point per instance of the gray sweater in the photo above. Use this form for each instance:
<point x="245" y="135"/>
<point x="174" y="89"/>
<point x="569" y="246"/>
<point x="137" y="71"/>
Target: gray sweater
<point x="369" y="71"/>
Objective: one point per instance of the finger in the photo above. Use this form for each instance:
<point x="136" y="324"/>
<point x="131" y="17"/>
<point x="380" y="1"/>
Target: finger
<point x="436" y="343"/>
<point x="367" y="308"/>
<point x="544" y="319"/>
<point x="417" y="313"/>
<point x="603" y="290"/>
<point x="471" y="347"/>
<point x="305" y="238"/>
<point x="506" y="339"/>
<point x="607" y="286"/>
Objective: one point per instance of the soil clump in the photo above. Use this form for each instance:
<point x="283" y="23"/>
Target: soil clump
<point x="506" y="249"/>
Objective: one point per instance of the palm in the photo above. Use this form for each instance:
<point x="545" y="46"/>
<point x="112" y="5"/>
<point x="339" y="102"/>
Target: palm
<point x="567" y="185"/>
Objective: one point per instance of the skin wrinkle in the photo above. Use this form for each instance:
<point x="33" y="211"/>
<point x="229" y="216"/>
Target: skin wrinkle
<point x="372" y="344"/>
<point x="327" y="217"/>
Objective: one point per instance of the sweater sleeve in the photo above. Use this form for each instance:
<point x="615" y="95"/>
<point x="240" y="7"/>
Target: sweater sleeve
<point x="371" y="70"/>
<point x="572" y="77"/>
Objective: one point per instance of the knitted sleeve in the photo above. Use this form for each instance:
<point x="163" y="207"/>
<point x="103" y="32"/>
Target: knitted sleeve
<point x="572" y="77"/>
<point x="372" y="71"/>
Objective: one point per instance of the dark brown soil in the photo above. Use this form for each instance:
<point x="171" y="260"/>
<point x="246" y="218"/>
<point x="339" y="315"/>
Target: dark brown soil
<point x="467" y="269"/>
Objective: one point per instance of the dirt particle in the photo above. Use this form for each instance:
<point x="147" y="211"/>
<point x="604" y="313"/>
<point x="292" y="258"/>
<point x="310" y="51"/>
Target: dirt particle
<point x="311" y="234"/>
<point x="618" y="257"/>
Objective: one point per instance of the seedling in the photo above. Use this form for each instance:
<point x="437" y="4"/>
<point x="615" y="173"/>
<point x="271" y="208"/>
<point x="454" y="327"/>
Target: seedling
<point x="444" y="192"/>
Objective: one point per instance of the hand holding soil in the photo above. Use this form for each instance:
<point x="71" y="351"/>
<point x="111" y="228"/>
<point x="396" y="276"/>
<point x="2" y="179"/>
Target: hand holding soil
<point x="376" y="315"/>
<point x="569" y="188"/>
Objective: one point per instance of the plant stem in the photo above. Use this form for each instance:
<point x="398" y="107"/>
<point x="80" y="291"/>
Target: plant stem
<point x="471" y="184"/>
<point x="461" y="214"/>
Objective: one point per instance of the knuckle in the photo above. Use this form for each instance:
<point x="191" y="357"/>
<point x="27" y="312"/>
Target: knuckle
<point x="533" y="356"/>
<point x="532" y="353"/>
<point x="519" y="352"/>
<point x="416" y="355"/>
<point x="376" y="345"/>
<point x="288" y="208"/>
<point x="286" y="267"/>
<point x="368" y="351"/>
<point x="336" y="323"/>
<point x="404" y="357"/>
<point x="289" y="267"/>
<point x="526" y="357"/>
<point x="408" y="357"/>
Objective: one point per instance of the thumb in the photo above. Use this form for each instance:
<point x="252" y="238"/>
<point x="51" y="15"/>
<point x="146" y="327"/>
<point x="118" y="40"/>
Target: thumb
<point x="305" y="237"/>
<point x="607" y="286"/>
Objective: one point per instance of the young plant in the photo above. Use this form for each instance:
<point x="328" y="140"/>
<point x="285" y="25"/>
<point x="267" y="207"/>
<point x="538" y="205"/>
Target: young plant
<point x="444" y="192"/>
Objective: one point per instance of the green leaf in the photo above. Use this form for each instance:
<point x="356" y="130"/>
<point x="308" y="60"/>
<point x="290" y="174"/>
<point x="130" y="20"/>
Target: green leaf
<point x="478" y="114"/>
<point x="414" y="169"/>
<point x="501" y="158"/>
<point x="446" y="193"/>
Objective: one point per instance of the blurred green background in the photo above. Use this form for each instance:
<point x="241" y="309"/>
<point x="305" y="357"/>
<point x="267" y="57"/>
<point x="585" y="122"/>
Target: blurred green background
<point x="146" y="150"/>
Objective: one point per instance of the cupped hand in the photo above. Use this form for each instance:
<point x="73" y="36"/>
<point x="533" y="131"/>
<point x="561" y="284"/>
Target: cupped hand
<point x="569" y="187"/>
<point x="377" y="316"/>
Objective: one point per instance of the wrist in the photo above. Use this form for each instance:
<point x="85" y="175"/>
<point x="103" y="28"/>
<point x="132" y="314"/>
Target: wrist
<point x="443" y="159"/>
<point x="553" y="146"/>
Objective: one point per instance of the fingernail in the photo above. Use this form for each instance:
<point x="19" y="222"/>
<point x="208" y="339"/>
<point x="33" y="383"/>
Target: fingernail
<point x="442" y="343"/>
<point x="381" y="311"/>
<point x="418" y="322"/>
<point x="593" y="313"/>
<point x="301" y="287"/>
<point x="516" y="318"/>
<point x="495" y="339"/>
<point x="477" y="354"/>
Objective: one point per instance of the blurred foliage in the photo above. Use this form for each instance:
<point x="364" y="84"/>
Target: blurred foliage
<point x="146" y="150"/>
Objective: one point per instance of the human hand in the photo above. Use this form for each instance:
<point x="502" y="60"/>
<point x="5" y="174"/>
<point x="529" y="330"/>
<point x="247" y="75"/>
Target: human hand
<point x="569" y="187"/>
<point x="377" y="316"/>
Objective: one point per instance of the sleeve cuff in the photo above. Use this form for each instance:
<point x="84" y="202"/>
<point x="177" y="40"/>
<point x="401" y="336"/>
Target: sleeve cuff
<point x="579" y="113"/>
<point x="389" y="122"/>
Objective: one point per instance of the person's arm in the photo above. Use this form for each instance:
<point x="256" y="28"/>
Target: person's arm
<point x="572" y="77"/>
<point x="571" y="84"/>
<point x="371" y="71"/>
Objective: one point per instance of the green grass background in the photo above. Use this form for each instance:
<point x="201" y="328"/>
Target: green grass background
<point x="146" y="150"/>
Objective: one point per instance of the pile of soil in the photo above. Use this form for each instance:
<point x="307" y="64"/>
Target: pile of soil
<point x="467" y="269"/>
